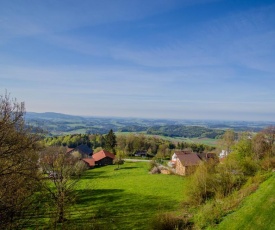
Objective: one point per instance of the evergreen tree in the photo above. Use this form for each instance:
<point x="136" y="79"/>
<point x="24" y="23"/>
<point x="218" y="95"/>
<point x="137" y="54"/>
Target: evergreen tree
<point x="110" y="141"/>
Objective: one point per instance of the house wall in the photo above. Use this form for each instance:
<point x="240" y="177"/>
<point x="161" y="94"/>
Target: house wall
<point x="105" y="161"/>
<point x="180" y="169"/>
<point x="184" y="170"/>
<point x="174" y="157"/>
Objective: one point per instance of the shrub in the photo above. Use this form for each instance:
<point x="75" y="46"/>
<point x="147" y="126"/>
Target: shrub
<point x="152" y="164"/>
<point x="225" y="181"/>
<point x="155" y="170"/>
<point x="268" y="163"/>
<point x="249" y="167"/>
<point x="201" y="187"/>
<point x="168" y="221"/>
<point x="209" y="214"/>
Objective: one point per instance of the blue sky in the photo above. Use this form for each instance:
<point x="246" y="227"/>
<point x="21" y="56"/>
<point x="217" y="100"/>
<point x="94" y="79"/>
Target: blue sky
<point x="187" y="59"/>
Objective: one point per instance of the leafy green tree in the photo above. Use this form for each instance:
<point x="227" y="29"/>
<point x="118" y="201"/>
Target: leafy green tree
<point x="120" y="155"/>
<point x="110" y="141"/>
<point x="244" y="146"/>
<point x="19" y="172"/>
<point x="228" y="140"/>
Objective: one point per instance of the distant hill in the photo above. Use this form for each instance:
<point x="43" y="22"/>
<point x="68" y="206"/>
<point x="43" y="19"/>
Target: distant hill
<point x="59" y="124"/>
<point x="185" y="131"/>
<point x="51" y="116"/>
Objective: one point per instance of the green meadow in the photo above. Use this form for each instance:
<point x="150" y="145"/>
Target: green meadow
<point x="124" y="199"/>
<point x="257" y="211"/>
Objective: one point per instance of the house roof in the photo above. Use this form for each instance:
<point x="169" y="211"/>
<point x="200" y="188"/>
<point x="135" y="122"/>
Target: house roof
<point x="189" y="159"/>
<point x="102" y="154"/>
<point x="89" y="161"/>
<point x="83" y="149"/>
<point x="182" y="152"/>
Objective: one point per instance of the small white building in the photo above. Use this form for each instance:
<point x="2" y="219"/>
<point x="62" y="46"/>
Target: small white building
<point x="223" y="154"/>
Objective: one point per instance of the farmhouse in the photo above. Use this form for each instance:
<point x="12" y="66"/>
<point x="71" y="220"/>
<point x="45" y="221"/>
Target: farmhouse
<point x="103" y="157"/>
<point x="174" y="158"/>
<point x="90" y="162"/>
<point x="186" y="164"/>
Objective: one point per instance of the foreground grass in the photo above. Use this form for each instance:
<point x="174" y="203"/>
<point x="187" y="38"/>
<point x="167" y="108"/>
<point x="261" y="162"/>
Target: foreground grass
<point x="123" y="199"/>
<point x="257" y="211"/>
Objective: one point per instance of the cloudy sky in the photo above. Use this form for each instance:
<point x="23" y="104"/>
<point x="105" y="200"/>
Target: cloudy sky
<point x="198" y="59"/>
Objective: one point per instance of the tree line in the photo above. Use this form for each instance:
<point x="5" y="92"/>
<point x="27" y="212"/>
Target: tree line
<point x="128" y="144"/>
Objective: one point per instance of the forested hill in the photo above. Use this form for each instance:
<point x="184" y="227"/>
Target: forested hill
<point x="61" y="124"/>
<point x="185" y="131"/>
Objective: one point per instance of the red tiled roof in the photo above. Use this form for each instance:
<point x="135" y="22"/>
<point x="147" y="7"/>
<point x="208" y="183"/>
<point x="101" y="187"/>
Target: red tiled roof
<point x="102" y="154"/>
<point x="89" y="161"/>
<point x="189" y="159"/>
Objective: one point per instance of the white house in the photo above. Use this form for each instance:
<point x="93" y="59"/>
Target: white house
<point x="223" y="154"/>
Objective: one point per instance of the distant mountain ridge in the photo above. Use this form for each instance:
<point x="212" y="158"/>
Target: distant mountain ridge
<point x="50" y="115"/>
<point x="59" y="124"/>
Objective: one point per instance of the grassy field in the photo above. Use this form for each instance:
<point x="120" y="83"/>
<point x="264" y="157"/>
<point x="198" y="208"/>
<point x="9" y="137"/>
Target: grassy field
<point x="197" y="140"/>
<point x="257" y="211"/>
<point x="125" y="199"/>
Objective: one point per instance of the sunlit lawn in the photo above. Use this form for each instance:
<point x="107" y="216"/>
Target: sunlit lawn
<point x="127" y="198"/>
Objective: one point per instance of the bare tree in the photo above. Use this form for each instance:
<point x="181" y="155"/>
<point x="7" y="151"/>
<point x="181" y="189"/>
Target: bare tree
<point x="269" y="133"/>
<point x="260" y="145"/>
<point x="63" y="171"/>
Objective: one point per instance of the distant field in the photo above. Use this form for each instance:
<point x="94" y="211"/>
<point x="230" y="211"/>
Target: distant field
<point x="206" y="141"/>
<point x="257" y="212"/>
<point x="127" y="198"/>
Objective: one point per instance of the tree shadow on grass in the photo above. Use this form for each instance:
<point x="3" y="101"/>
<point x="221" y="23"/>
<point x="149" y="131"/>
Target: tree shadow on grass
<point x="98" y="195"/>
<point x="117" y="210"/>
<point x="121" y="167"/>
<point x="93" y="174"/>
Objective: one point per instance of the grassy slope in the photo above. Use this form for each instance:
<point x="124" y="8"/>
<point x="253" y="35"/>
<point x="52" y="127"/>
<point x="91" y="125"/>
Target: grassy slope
<point x="257" y="211"/>
<point x="127" y="198"/>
